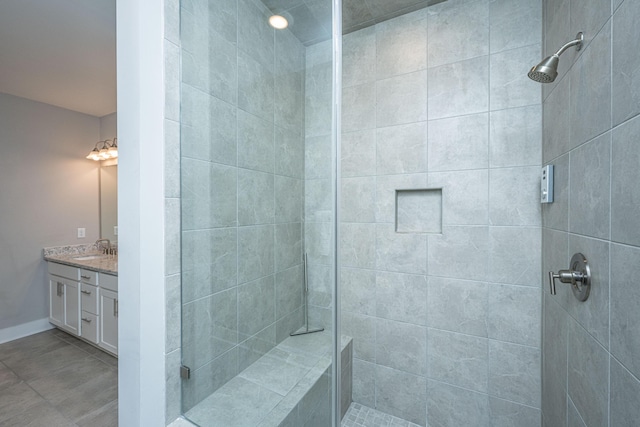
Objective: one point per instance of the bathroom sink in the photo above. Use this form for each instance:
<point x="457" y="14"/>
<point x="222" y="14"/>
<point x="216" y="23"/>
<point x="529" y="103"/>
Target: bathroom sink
<point x="89" y="257"/>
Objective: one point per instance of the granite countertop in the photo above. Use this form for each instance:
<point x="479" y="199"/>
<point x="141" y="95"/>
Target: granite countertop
<point x="68" y="255"/>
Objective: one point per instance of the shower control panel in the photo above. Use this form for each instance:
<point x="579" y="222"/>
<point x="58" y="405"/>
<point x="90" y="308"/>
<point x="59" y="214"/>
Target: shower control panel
<point x="546" y="185"/>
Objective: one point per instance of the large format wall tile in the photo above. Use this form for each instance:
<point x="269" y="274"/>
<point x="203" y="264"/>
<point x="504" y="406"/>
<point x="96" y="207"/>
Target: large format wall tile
<point x="515" y="136"/>
<point x="401" y="99"/>
<point x="592" y="314"/>
<point x="625" y="391"/>
<point x="513" y="196"/>
<point x="401" y="346"/>
<point x="459" y="143"/>
<point x="401" y="149"/>
<point x="514" y="314"/>
<point x="625" y="225"/>
<point x="508" y="414"/>
<point x="359" y="57"/>
<point x="459" y="88"/>
<point x="401" y="48"/>
<point x="457" y="306"/>
<point x="359" y="153"/>
<point x="401" y="394"/>
<point x="460" y="252"/>
<point x="625" y="318"/>
<point x="459" y="33"/>
<point x="589" y="193"/>
<point x="402" y="253"/>
<point x="514" y="23"/>
<point x="255" y="143"/>
<point x="465" y="196"/>
<point x="358" y="290"/>
<point x="508" y="247"/>
<point x="514" y="372"/>
<point x="588" y="376"/>
<point x="510" y="87"/>
<point x="450" y="406"/>
<point x="626" y="65"/>
<point x="401" y="297"/>
<point x="591" y="90"/>
<point x="458" y="359"/>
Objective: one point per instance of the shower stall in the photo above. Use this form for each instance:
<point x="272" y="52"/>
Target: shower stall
<point x="258" y="213"/>
<point x="373" y="167"/>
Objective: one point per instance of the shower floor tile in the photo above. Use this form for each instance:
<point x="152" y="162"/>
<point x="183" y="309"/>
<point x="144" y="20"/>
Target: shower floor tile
<point x="363" y="416"/>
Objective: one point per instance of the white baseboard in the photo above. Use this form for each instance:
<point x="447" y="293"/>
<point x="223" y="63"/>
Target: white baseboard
<point x="24" y="330"/>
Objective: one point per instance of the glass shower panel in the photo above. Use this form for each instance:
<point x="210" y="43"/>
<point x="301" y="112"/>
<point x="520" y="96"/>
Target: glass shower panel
<point x="257" y="213"/>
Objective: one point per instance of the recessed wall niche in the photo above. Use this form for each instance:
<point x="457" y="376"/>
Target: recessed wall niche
<point x="419" y="211"/>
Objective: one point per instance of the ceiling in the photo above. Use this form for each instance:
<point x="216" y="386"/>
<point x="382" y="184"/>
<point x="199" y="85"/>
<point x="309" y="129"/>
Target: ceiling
<point x="60" y="52"/>
<point x="63" y="52"/>
<point x="310" y="20"/>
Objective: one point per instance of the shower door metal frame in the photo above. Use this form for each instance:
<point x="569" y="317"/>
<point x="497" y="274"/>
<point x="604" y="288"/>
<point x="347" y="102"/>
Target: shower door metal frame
<point x="336" y="129"/>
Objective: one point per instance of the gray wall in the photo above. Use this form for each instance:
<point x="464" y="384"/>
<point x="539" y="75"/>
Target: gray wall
<point x="242" y="189"/>
<point x="591" y="349"/>
<point x="48" y="190"/>
<point x="446" y="326"/>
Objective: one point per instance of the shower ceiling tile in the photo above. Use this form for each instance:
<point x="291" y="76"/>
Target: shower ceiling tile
<point x="310" y="20"/>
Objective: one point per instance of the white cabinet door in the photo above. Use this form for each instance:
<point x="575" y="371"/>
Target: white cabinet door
<point x="72" y="307"/>
<point x="56" y="301"/>
<point x="109" y="320"/>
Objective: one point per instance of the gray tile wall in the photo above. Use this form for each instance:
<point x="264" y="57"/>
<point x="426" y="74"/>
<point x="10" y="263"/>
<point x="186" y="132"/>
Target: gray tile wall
<point x="242" y="193"/>
<point x="590" y="373"/>
<point x="445" y="326"/>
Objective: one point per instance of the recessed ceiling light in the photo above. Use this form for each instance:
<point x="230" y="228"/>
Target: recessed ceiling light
<point x="278" y="22"/>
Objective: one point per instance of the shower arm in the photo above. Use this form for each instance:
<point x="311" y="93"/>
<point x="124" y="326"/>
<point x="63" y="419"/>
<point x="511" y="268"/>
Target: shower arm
<point x="577" y="43"/>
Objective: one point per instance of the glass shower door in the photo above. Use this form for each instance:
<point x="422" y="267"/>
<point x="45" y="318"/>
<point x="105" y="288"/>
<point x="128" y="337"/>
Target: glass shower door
<point x="258" y="214"/>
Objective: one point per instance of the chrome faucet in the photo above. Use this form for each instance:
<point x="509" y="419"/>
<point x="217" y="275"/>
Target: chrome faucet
<point x="106" y="250"/>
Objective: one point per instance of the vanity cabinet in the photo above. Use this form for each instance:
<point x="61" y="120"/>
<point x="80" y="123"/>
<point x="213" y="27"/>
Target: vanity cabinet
<point x="109" y="313"/>
<point x="84" y="303"/>
<point x="109" y="321"/>
<point x="64" y="297"/>
<point x="89" y="316"/>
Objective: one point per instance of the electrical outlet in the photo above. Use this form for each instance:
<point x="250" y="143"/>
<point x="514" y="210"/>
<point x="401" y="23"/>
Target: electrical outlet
<point x="115" y="230"/>
<point x="82" y="233"/>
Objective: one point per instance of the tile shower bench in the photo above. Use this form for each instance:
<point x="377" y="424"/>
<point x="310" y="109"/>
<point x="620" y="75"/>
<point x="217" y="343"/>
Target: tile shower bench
<point x="287" y="387"/>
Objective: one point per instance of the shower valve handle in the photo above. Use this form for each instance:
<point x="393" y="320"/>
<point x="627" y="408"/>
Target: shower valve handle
<point x="565" y="276"/>
<point x="578" y="276"/>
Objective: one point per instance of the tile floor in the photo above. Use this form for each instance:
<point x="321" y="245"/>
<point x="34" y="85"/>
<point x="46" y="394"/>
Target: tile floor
<point x="52" y="379"/>
<point x="363" y="416"/>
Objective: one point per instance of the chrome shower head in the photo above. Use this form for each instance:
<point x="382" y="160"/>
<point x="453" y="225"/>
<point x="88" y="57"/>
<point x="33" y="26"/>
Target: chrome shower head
<point x="547" y="70"/>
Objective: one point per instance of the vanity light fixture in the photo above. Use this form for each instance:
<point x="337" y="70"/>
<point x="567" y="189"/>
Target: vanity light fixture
<point x="104" y="150"/>
<point x="278" y="22"/>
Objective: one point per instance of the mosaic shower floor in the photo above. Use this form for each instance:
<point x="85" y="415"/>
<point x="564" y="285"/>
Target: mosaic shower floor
<point x="363" y="416"/>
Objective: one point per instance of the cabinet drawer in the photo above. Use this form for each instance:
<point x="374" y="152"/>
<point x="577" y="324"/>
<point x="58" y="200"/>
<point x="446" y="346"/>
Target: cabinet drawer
<point x="88" y="276"/>
<point x="90" y="327"/>
<point x="109" y="282"/>
<point x="63" y="271"/>
<point x="89" y="298"/>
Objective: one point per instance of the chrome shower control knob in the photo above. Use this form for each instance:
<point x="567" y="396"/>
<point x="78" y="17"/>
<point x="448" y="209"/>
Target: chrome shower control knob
<point x="578" y="276"/>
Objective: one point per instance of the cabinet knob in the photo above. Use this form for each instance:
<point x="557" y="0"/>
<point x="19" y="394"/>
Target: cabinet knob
<point x="86" y="292"/>
<point x="84" y="319"/>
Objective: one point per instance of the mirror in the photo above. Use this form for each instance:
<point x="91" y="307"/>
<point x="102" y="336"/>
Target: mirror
<point x="109" y="202"/>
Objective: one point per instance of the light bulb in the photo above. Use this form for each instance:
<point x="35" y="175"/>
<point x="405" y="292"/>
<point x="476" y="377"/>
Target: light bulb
<point x="278" y="22"/>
